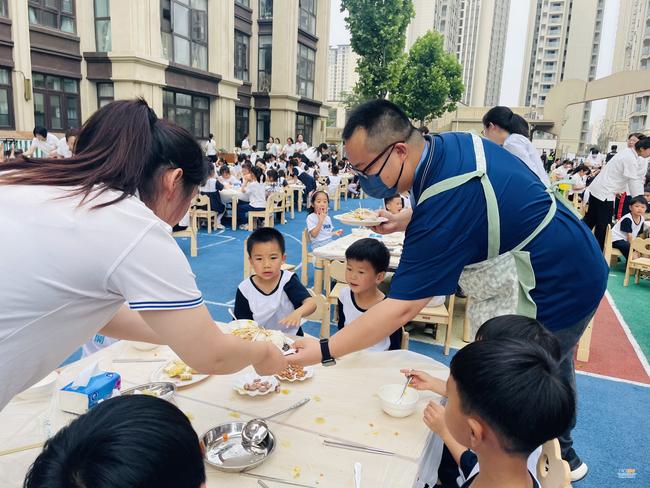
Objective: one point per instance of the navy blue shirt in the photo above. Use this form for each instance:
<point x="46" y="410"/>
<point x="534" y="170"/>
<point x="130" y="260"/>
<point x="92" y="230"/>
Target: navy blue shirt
<point x="449" y="231"/>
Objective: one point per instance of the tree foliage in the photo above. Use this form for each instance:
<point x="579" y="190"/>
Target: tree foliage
<point x="430" y="82"/>
<point x="378" y="36"/>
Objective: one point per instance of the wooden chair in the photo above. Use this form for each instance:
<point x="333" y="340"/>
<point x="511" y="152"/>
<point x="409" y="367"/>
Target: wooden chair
<point x="190" y="232"/>
<point x="204" y="213"/>
<point x="247" y="264"/>
<point x="343" y="189"/>
<point x="274" y="203"/>
<point x="638" y="264"/>
<point x="321" y="314"/>
<point x="305" y="258"/>
<point x="405" y="340"/>
<point x="289" y="202"/>
<point x="336" y="197"/>
<point x="552" y="470"/>
<point x="439" y="314"/>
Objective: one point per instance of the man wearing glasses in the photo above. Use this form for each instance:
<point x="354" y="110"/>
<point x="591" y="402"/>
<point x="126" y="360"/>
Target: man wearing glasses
<point x="480" y="217"/>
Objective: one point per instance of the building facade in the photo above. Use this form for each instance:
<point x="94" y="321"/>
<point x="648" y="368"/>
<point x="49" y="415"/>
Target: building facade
<point x="475" y="31"/>
<point x="563" y="43"/>
<point x="341" y="72"/>
<point x="631" y="52"/>
<point x="226" y="67"/>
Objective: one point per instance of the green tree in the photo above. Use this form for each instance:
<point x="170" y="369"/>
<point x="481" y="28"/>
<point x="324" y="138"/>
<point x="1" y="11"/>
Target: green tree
<point x="430" y="82"/>
<point x="378" y="35"/>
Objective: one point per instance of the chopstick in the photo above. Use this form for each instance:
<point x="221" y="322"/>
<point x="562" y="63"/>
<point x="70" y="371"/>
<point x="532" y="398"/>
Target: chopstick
<point x="28" y="447"/>
<point x="276" y="480"/>
<point x="138" y="360"/>
<point x="355" y="447"/>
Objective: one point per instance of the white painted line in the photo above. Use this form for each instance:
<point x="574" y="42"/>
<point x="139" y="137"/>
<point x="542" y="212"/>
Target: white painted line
<point x="635" y="345"/>
<point x="611" y="378"/>
<point x="229" y="239"/>
<point x="219" y="304"/>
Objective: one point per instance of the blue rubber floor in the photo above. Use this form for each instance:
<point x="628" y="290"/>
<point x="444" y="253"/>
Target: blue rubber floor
<point x="613" y="431"/>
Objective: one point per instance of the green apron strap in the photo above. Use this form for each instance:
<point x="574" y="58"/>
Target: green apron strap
<point x="448" y="184"/>
<point x="542" y="225"/>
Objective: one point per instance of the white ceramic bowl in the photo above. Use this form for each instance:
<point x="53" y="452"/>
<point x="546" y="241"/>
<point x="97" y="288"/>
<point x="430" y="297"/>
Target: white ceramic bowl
<point x="389" y="394"/>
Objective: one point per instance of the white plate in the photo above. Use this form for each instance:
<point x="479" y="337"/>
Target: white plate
<point x="160" y="375"/>
<point x="238" y="384"/>
<point x="309" y="372"/>
<point x="348" y="220"/>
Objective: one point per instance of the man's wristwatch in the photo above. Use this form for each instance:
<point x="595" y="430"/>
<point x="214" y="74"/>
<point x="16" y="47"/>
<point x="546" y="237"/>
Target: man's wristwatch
<point x="327" y="359"/>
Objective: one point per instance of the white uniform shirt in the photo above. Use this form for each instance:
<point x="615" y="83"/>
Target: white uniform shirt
<point x="325" y="234"/>
<point x="579" y="181"/>
<point x="245" y="146"/>
<point x="300" y="147"/>
<point x="324" y="168"/>
<point x="256" y="194"/>
<point x="210" y="186"/>
<point x="50" y="143"/>
<point x="62" y="148"/>
<point x="626" y="225"/>
<point x="211" y="148"/>
<point x="335" y="182"/>
<point x="349" y="311"/>
<point x="625" y="170"/>
<point x="289" y="150"/>
<point x="522" y="148"/>
<point x="72" y="267"/>
<point x="313" y="155"/>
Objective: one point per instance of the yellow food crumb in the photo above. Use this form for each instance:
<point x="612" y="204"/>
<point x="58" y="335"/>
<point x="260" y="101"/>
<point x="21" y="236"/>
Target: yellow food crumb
<point x="285" y="391"/>
<point x="317" y="398"/>
<point x="375" y="432"/>
<point x="319" y="420"/>
<point x="286" y="444"/>
<point x="296" y="472"/>
<point x="189" y="415"/>
<point x="234" y="415"/>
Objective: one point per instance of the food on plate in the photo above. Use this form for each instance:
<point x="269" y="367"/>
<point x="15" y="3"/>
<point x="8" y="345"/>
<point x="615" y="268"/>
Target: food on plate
<point x="292" y="372"/>
<point x="260" y="385"/>
<point x="178" y="368"/>
<point x="253" y="332"/>
<point x="361" y="214"/>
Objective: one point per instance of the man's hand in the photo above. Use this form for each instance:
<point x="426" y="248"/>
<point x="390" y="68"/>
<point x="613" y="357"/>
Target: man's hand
<point x="292" y="320"/>
<point x="395" y="223"/>
<point x="308" y="352"/>
<point x="273" y="362"/>
<point x="434" y="418"/>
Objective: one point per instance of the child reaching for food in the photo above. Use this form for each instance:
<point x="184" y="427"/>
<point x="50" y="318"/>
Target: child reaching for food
<point x="272" y="297"/>
<point x="319" y="224"/>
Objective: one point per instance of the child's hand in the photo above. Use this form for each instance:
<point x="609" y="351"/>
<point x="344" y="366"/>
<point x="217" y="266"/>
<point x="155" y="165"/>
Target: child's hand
<point x="424" y="381"/>
<point x="434" y="418"/>
<point x="292" y="320"/>
<point x="322" y="215"/>
<point x="338" y="233"/>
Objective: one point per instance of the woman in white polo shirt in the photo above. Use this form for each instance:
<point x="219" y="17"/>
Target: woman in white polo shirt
<point x="83" y="236"/>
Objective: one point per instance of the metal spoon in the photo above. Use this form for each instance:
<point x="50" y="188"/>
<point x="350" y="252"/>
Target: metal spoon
<point x="255" y="431"/>
<point x="408" y="381"/>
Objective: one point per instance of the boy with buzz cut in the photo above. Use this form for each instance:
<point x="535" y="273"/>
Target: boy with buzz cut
<point x="272" y="297"/>
<point x="630" y="225"/>
<point x="505" y="398"/>
<point x="366" y="263"/>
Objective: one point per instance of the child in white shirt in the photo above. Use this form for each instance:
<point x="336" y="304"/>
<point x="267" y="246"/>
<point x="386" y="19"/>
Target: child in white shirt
<point x="630" y="225"/>
<point x="366" y="263"/>
<point x="319" y="224"/>
<point x="334" y="181"/>
<point x="226" y="178"/>
<point x="256" y="196"/>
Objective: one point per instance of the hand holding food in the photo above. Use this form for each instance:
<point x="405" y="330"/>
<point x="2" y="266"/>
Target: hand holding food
<point x="434" y="418"/>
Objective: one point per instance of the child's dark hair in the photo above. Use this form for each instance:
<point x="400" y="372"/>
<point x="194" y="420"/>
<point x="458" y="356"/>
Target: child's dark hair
<point x="247" y="165"/>
<point x="256" y="172"/>
<point x="262" y="235"/>
<point x="335" y="169"/>
<point x="643" y="143"/>
<point x="241" y="158"/>
<point x="515" y="386"/>
<point x="520" y="327"/>
<point x="582" y="167"/>
<point x="224" y="170"/>
<point x="325" y="158"/>
<point x="272" y="175"/>
<point x="639" y="199"/>
<point x="391" y="198"/>
<point x="506" y="119"/>
<point x="371" y="250"/>
<point x="39" y="130"/>
<point x="134" y="440"/>
<point x="312" y="199"/>
<point x="211" y="170"/>
<point x="282" y="173"/>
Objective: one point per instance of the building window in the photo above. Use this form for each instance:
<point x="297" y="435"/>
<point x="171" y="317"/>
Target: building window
<point x="188" y="111"/>
<point x="105" y="94"/>
<point x="266" y="9"/>
<point x="245" y="3"/>
<point x="6" y="100"/>
<point x="4" y="11"/>
<point x="184" y="31"/>
<point x="241" y="124"/>
<point x="308" y="16"/>
<point x="305" y="126"/>
<point x="102" y="26"/>
<point x="305" y="72"/>
<point x="56" y="102"/>
<point x="56" y="14"/>
<point x="264" y="62"/>
<point x="263" y="128"/>
<point x="242" y="43"/>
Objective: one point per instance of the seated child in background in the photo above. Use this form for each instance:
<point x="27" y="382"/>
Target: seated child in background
<point x="324" y="165"/>
<point x="319" y="224"/>
<point x="394" y="204"/>
<point x="272" y="297"/>
<point x="282" y="178"/>
<point x="505" y="398"/>
<point x="225" y="177"/>
<point x="272" y="184"/>
<point x="256" y="195"/>
<point x="134" y="440"/>
<point x="333" y="181"/>
<point x="630" y="225"/>
<point x="366" y="263"/>
<point x="562" y="172"/>
<point x="504" y="327"/>
<point x="211" y="189"/>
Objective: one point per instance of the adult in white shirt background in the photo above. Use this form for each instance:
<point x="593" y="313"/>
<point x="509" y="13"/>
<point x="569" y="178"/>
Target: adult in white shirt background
<point x="106" y="216"/>
<point x="66" y="145"/>
<point x="625" y="171"/>
<point x="289" y="148"/>
<point x="300" y="146"/>
<point x="245" y="145"/>
<point x="211" y="149"/>
<point x="43" y="140"/>
<point x="505" y="128"/>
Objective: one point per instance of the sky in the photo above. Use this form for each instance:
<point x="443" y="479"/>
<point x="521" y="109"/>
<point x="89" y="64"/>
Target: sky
<point x="515" y="46"/>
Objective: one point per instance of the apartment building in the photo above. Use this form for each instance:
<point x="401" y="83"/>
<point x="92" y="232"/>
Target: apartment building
<point x="225" y="67"/>
<point x="341" y="72"/>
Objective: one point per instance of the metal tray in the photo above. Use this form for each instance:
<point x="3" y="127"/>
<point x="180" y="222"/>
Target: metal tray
<point x="229" y="455"/>
<point x="162" y="389"/>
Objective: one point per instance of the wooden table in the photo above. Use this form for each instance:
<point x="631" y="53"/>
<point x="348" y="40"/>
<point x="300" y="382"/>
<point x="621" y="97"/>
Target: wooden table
<point x="234" y="195"/>
<point x="297" y="190"/>
<point x="335" y="251"/>
<point x="344" y="406"/>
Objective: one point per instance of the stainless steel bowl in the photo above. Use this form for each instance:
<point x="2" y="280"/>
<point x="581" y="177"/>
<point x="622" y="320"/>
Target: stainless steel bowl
<point x="224" y="449"/>
<point x="162" y="389"/>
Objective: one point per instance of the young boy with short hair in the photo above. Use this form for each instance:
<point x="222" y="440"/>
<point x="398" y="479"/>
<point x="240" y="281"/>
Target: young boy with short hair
<point x="366" y="263"/>
<point x="505" y="398"/>
<point x="272" y="297"/>
<point x="394" y="204"/>
<point x="629" y="226"/>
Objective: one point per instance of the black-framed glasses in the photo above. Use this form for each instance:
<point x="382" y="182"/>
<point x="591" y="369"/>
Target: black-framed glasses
<point x="363" y="173"/>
